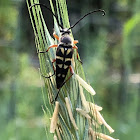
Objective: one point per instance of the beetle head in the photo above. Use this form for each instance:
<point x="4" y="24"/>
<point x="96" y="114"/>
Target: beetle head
<point x="64" y="31"/>
<point x="65" y="37"/>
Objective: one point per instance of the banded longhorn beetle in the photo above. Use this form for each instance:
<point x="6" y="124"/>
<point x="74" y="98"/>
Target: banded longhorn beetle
<point x="64" y="52"/>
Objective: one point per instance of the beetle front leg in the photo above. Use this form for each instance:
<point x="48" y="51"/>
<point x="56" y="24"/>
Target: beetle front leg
<point x="52" y="46"/>
<point x="75" y="42"/>
<point x="75" y="47"/>
<point x="56" y="36"/>
<point x="72" y="72"/>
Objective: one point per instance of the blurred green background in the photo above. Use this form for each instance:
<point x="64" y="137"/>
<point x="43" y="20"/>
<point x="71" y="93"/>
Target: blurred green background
<point x="109" y="48"/>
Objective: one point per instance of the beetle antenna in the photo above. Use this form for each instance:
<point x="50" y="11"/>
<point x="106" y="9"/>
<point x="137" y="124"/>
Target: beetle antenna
<point x="99" y="10"/>
<point x="43" y="5"/>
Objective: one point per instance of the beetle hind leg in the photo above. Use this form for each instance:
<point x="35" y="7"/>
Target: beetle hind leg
<point x="72" y="72"/>
<point x="53" y="70"/>
<point x="48" y="76"/>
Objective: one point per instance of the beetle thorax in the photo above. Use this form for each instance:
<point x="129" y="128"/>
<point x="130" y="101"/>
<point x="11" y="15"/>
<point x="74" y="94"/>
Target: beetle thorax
<point x="66" y="40"/>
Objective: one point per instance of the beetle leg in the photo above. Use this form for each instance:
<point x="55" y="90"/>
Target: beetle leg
<point x="72" y="72"/>
<point x="75" y="47"/>
<point x="53" y="70"/>
<point x="75" y="41"/>
<point x="52" y="46"/>
<point x="56" y="36"/>
<point x="53" y="64"/>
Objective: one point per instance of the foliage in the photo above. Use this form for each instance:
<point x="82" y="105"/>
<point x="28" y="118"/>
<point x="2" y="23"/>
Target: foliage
<point x="109" y="49"/>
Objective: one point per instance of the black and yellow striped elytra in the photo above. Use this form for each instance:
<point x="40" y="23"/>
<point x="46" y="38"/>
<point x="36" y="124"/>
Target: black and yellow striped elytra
<point x="64" y="54"/>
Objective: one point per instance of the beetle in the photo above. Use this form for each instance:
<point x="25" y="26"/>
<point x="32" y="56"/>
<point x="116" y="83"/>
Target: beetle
<point x="64" y="52"/>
